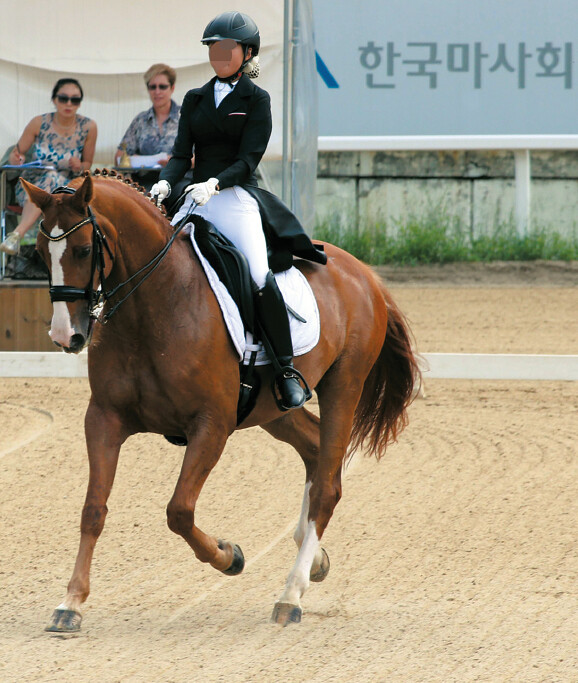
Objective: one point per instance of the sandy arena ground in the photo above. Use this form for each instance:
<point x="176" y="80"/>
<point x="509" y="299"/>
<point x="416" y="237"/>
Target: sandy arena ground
<point x="453" y="559"/>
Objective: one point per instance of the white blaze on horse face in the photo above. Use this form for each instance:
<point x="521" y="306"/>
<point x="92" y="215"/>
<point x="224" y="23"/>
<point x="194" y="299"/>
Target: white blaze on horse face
<point x="61" y="329"/>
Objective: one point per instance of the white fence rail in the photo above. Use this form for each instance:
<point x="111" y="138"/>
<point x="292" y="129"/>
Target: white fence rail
<point x="435" y="366"/>
<point x="521" y="145"/>
<point x="500" y="366"/>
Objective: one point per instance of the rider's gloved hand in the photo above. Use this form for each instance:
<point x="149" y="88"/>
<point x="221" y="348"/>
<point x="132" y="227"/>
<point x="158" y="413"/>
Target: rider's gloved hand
<point x="160" y="190"/>
<point x="202" y="192"/>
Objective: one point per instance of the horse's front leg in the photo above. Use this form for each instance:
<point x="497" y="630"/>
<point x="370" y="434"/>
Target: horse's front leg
<point x="104" y="437"/>
<point x="203" y="451"/>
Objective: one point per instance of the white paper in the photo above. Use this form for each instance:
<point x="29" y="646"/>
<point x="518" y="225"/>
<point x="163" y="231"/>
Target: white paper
<point x="151" y="160"/>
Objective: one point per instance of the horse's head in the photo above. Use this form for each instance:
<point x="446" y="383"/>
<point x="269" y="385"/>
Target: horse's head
<point x="70" y="243"/>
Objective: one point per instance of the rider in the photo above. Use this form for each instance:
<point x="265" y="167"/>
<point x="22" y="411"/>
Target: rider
<point x="227" y="124"/>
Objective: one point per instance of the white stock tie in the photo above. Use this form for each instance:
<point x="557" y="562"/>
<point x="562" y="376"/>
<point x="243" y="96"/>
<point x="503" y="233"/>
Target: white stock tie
<point x="221" y="91"/>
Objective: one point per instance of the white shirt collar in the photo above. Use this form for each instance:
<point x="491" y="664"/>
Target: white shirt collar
<point x="222" y="89"/>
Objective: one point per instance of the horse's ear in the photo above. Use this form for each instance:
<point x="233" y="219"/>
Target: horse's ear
<point x="83" y="195"/>
<point x="37" y="196"/>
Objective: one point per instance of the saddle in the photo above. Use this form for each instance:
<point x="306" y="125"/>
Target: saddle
<point x="231" y="267"/>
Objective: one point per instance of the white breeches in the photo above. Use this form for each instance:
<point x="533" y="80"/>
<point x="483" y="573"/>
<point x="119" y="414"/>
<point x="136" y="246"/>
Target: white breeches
<point x="236" y="214"/>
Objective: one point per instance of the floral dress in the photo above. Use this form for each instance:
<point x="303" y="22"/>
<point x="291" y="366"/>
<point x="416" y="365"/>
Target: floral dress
<point x="55" y="150"/>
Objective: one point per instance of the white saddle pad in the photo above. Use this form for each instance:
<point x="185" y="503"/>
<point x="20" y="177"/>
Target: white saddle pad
<point x="297" y="294"/>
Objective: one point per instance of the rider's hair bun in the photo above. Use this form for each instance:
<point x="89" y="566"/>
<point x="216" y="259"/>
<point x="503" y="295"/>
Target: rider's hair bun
<point x="251" y="68"/>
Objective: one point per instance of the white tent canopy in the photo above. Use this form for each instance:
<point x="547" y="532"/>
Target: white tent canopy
<point x="108" y="46"/>
<point x="110" y="37"/>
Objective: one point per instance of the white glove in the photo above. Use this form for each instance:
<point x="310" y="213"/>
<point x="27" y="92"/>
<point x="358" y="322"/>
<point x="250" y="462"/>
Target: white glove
<point x="160" y="190"/>
<point x="202" y="192"/>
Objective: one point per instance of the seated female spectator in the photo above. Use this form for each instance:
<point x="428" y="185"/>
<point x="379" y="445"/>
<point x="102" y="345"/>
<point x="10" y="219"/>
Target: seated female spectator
<point x="153" y="132"/>
<point x="62" y="139"/>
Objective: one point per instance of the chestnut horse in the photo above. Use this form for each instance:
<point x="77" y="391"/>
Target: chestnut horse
<point x="164" y="363"/>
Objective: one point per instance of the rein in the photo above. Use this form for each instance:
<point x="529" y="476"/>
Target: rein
<point x="97" y="298"/>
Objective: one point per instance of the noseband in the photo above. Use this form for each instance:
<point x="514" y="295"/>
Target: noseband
<point x="97" y="298"/>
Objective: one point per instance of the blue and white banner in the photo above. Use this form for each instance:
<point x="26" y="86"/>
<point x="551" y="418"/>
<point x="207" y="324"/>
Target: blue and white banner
<point x="420" y="67"/>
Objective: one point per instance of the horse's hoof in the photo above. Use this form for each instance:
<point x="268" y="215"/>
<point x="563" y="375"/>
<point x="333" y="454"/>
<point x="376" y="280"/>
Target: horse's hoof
<point x="284" y="613"/>
<point x="238" y="563"/>
<point x="321" y="572"/>
<point x="64" y="621"/>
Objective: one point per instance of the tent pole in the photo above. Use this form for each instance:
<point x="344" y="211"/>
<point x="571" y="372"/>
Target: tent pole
<point x="286" y="193"/>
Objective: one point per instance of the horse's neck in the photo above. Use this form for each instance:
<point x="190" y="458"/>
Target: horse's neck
<point x="138" y="235"/>
<point x="138" y="245"/>
<point x="168" y="285"/>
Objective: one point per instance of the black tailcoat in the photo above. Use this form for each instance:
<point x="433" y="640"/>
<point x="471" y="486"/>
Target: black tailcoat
<point x="228" y="142"/>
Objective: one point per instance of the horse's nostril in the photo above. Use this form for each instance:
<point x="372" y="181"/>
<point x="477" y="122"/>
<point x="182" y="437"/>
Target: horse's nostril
<point x="76" y="343"/>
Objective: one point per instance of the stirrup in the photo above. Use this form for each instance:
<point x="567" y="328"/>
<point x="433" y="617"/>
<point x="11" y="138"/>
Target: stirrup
<point x="289" y="372"/>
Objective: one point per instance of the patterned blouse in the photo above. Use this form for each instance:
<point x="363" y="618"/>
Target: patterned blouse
<point x="144" y="137"/>
<point x="54" y="150"/>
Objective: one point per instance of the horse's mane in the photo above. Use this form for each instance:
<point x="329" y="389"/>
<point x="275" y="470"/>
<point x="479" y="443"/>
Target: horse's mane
<point x="121" y="180"/>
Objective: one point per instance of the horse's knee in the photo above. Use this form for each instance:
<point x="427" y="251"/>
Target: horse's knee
<point x="92" y="520"/>
<point x="179" y="519"/>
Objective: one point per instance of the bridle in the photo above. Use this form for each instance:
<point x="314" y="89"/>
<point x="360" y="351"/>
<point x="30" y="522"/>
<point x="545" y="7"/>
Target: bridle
<point x="99" y="243"/>
<point x="98" y="297"/>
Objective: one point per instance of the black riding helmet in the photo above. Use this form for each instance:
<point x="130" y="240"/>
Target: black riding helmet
<point x="236" y="26"/>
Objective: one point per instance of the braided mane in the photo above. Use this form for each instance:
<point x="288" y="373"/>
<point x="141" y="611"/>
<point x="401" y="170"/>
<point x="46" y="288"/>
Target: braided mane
<point x="111" y="174"/>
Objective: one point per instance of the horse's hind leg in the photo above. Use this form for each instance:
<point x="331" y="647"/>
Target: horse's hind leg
<point x="337" y="408"/>
<point x="104" y="437"/>
<point x="301" y="430"/>
<point x="320" y="566"/>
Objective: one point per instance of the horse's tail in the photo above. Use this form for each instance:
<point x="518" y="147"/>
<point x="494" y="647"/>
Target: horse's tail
<point x="389" y="389"/>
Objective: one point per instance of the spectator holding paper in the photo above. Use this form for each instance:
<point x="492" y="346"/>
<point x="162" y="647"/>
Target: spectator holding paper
<point x="150" y="137"/>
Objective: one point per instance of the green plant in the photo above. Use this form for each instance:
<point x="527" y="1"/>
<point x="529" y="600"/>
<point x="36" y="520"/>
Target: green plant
<point x="504" y="244"/>
<point x="441" y="238"/>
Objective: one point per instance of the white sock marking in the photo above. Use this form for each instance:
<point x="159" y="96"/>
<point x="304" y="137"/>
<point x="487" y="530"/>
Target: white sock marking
<point x="298" y="579"/>
<point x="301" y="528"/>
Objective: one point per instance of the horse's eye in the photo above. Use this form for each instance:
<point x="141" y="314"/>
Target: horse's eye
<point x="82" y="252"/>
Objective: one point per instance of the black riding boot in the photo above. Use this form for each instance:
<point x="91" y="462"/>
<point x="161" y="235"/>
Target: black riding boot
<point x="276" y="337"/>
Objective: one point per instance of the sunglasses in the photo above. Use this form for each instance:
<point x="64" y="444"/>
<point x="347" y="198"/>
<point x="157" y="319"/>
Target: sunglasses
<point x="63" y="99"/>
<point x="161" y="86"/>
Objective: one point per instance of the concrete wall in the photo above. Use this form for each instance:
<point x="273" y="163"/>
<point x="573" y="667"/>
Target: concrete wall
<point x="476" y="188"/>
